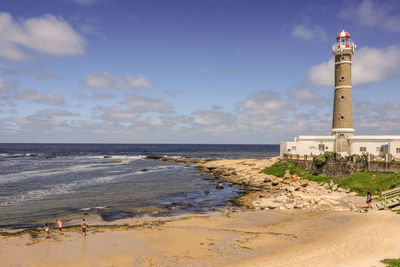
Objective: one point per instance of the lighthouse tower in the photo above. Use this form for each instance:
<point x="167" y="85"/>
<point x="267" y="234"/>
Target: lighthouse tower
<point x="342" y="120"/>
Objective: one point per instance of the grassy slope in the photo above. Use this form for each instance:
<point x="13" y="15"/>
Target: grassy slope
<point x="391" y="262"/>
<point x="359" y="182"/>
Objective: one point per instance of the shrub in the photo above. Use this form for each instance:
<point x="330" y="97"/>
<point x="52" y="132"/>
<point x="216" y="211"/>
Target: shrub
<point x="279" y="168"/>
<point x="391" y="262"/>
<point x="319" y="160"/>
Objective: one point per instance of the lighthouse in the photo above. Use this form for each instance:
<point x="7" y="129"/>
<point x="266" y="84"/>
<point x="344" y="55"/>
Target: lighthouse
<point x="342" y="119"/>
<point x="342" y="139"/>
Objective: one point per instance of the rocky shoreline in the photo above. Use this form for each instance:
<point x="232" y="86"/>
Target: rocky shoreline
<point x="270" y="192"/>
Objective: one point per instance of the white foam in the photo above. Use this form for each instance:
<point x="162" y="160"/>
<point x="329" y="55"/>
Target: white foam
<point x="120" y="157"/>
<point x="14" y="177"/>
<point x="56" y="190"/>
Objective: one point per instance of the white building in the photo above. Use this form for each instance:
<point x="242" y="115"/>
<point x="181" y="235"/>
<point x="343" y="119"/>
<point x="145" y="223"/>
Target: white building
<point x="342" y="139"/>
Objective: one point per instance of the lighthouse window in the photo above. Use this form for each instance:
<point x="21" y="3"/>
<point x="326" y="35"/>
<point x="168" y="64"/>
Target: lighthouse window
<point x="342" y="117"/>
<point x="342" y="97"/>
<point x="342" y="58"/>
<point x="342" y="78"/>
<point x="397" y="149"/>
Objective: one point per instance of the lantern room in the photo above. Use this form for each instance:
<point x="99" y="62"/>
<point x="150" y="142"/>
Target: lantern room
<point x="343" y="43"/>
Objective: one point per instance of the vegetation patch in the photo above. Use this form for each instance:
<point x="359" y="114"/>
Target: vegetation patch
<point x="279" y="168"/>
<point x="391" y="262"/>
<point x="358" y="182"/>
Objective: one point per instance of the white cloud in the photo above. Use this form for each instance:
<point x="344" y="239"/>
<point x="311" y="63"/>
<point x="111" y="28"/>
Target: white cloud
<point x="86" y="2"/>
<point x="49" y="113"/>
<point x="46" y="34"/>
<point x="33" y="96"/>
<point x="107" y="80"/>
<point x="35" y="72"/>
<point x="372" y="13"/>
<point x="369" y="65"/>
<point x="268" y="104"/>
<point x="143" y="104"/>
<point x="307" y="96"/>
<point x="3" y="86"/>
<point x="307" y="33"/>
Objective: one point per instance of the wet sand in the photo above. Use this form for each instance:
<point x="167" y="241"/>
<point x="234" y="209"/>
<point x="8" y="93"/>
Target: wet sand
<point x="248" y="238"/>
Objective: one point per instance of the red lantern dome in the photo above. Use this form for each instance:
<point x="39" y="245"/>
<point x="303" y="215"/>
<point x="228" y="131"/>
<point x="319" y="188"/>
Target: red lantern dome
<point x="343" y="34"/>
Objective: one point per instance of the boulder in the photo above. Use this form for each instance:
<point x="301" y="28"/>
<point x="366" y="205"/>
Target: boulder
<point x="304" y="183"/>
<point x="275" y="182"/>
<point x="289" y="206"/>
<point x="353" y="194"/>
<point x="295" y="177"/>
<point x="287" y="175"/>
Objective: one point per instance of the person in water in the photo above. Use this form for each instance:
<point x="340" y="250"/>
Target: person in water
<point x="60" y="225"/>
<point x="46" y="230"/>
<point x="369" y="199"/>
<point x="83" y="227"/>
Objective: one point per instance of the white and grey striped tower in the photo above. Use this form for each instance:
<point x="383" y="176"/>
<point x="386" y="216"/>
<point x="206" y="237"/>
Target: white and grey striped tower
<point x="342" y="121"/>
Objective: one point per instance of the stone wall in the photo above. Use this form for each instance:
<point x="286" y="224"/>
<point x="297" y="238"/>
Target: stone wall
<point x="342" y="168"/>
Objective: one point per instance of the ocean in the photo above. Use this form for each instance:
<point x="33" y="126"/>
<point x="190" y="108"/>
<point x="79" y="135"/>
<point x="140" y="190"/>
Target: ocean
<point x="43" y="182"/>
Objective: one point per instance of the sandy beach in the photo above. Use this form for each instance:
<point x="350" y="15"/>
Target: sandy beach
<point x="312" y="236"/>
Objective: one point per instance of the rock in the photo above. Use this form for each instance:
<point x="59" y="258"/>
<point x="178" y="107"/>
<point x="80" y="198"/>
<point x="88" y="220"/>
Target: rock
<point x="341" y="189"/>
<point x="144" y="170"/>
<point x="206" y="192"/>
<point x="287" y="175"/>
<point x="304" y="183"/>
<point x="107" y="157"/>
<point x="272" y="204"/>
<point x="299" y="205"/>
<point x="289" y="206"/>
<point x="334" y="187"/>
<point x="281" y="198"/>
<point x="353" y="194"/>
<point x="275" y="182"/>
<point x="295" y="177"/>
<point x="116" y="161"/>
<point x="291" y="188"/>
<point x="219" y="186"/>
<point x="268" y="178"/>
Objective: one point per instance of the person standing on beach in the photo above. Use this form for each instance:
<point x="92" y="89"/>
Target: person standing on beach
<point x="369" y="199"/>
<point x="46" y="230"/>
<point x="60" y="225"/>
<point x="83" y="227"/>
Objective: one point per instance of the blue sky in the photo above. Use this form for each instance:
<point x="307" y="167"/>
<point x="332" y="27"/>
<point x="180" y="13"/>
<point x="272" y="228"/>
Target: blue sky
<point x="191" y="71"/>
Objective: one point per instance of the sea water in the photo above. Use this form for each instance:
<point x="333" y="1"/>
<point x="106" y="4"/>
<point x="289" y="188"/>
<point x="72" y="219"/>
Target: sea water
<point x="48" y="181"/>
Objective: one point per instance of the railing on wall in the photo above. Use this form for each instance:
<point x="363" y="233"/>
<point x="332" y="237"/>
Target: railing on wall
<point x="367" y="157"/>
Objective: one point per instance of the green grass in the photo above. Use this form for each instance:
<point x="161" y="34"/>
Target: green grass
<point x="358" y="182"/>
<point x="391" y="262"/>
<point x="279" y="168"/>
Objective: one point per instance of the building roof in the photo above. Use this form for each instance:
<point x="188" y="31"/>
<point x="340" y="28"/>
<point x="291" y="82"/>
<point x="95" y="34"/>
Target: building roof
<point x="317" y="137"/>
<point x="375" y="137"/>
<point x="343" y="34"/>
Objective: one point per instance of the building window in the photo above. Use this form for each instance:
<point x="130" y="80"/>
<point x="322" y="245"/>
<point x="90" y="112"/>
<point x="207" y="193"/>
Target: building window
<point x="312" y="147"/>
<point x="321" y="147"/>
<point x="341" y="58"/>
<point x="293" y="148"/>
<point x="379" y="149"/>
<point x="363" y="149"/>
<point x="342" y="97"/>
<point x="341" y="135"/>
<point x="341" y="117"/>
<point x="398" y="150"/>
<point x="342" y="78"/>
